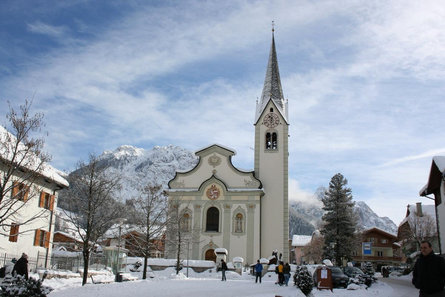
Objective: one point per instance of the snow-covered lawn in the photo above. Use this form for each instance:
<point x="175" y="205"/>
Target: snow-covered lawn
<point x="167" y="283"/>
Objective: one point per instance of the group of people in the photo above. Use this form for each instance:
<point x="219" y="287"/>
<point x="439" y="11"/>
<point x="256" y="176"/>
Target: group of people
<point x="283" y="271"/>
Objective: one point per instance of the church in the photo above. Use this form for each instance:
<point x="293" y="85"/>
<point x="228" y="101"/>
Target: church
<point x="245" y="212"/>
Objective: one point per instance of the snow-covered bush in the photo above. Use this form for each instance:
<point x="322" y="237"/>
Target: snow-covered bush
<point x="20" y="287"/>
<point x="303" y="280"/>
<point x="368" y="269"/>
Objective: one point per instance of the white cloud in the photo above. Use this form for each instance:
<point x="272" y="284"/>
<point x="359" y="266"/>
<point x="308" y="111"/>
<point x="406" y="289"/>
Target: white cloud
<point x="298" y="194"/>
<point x="46" y="29"/>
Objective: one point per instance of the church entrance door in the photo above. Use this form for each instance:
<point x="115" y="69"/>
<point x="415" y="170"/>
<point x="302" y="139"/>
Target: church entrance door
<point x="210" y="255"/>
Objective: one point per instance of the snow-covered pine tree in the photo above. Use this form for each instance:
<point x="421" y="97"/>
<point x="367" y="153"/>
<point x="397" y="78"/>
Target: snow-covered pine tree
<point x="339" y="221"/>
<point x="368" y="269"/>
<point x="303" y="280"/>
<point x="20" y="287"/>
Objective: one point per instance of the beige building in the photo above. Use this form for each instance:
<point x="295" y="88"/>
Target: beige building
<point x="244" y="212"/>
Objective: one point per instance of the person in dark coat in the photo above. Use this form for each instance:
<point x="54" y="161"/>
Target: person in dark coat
<point x="429" y="272"/>
<point x="258" y="271"/>
<point x="223" y="270"/>
<point x="286" y="273"/>
<point x="21" y="266"/>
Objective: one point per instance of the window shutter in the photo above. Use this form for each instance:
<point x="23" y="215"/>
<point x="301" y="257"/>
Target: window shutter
<point x="15" y="189"/>
<point x="26" y="193"/>
<point x="14" y="233"/>
<point x="37" y="237"/>
<point x="42" y="199"/>
<point x="51" y="203"/>
<point x="47" y="238"/>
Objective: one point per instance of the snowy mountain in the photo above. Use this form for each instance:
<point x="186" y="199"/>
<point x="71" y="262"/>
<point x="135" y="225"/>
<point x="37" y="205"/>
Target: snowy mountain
<point x="139" y="167"/>
<point x="304" y="218"/>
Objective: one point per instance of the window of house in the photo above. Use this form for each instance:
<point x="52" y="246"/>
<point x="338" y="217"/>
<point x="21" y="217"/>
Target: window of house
<point x="14" y="232"/>
<point x="46" y="200"/>
<point x="379" y="253"/>
<point x="20" y="191"/>
<point x="239" y="223"/>
<point x="41" y="238"/>
<point x="212" y="222"/>
<point x="384" y="240"/>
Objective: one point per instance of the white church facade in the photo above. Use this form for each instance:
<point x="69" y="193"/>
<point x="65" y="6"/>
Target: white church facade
<point x="244" y="212"/>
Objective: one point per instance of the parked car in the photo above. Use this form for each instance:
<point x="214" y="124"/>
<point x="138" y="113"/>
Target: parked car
<point x="358" y="276"/>
<point x="352" y="271"/>
<point x="339" y="279"/>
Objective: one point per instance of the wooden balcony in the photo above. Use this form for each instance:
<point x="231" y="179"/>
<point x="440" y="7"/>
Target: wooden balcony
<point x="376" y="259"/>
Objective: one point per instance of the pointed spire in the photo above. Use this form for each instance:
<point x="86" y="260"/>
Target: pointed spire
<point x="272" y="83"/>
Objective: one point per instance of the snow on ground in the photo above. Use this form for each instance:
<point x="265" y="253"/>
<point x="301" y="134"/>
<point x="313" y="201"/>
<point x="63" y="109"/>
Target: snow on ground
<point x="167" y="284"/>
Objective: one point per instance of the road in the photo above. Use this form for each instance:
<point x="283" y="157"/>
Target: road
<point x="401" y="286"/>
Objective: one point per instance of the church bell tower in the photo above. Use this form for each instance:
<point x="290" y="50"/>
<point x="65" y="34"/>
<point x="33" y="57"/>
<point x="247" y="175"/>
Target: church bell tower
<point x="271" y="161"/>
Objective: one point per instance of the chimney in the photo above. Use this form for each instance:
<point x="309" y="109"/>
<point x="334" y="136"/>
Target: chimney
<point x="419" y="209"/>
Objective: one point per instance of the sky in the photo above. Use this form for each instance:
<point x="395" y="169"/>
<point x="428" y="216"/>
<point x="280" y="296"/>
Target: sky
<point x="364" y="79"/>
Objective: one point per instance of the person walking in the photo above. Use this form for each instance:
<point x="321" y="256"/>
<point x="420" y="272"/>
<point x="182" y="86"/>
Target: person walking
<point x="286" y="273"/>
<point x="429" y="272"/>
<point x="258" y="271"/>
<point x="223" y="270"/>
<point x="280" y="274"/>
<point x="21" y="266"/>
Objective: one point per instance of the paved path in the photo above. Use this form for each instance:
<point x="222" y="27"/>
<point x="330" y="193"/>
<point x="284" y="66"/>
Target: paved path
<point x="401" y="286"/>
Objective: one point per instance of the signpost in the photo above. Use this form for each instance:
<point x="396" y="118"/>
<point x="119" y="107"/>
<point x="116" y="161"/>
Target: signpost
<point x="366" y="248"/>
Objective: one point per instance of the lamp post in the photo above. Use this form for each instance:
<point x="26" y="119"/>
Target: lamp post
<point x="188" y="249"/>
<point x="118" y="268"/>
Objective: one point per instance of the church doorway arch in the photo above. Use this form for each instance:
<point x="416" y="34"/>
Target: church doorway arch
<point x="210" y="255"/>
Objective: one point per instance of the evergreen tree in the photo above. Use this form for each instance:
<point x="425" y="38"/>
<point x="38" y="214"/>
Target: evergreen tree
<point x="303" y="280"/>
<point x="339" y="221"/>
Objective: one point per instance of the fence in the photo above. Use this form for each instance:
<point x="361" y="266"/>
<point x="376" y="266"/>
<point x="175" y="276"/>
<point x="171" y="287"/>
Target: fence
<point x="69" y="262"/>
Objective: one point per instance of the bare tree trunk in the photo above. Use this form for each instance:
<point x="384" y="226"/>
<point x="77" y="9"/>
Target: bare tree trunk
<point x="86" y="260"/>
<point x="144" y="270"/>
<point x="178" y="255"/>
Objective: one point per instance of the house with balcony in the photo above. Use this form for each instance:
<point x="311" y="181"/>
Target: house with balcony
<point x="378" y="247"/>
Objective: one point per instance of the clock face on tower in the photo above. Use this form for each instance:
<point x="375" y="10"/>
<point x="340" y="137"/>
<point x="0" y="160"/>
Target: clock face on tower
<point x="213" y="192"/>
<point x="271" y="120"/>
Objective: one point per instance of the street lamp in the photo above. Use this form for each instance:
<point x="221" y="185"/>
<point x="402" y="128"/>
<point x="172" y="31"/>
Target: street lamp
<point x="188" y="249"/>
<point x="118" y="268"/>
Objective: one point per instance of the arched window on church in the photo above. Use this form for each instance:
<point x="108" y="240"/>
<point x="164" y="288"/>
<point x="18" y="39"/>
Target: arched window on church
<point x="268" y="141"/>
<point x="239" y="223"/>
<point x="274" y="141"/>
<point x="212" y="222"/>
<point x="271" y="141"/>
<point x="186" y="222"/>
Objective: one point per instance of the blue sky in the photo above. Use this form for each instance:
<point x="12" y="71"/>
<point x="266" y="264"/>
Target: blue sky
<point x="365" y="82"/>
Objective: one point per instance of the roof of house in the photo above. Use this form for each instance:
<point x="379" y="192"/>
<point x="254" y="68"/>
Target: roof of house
<point x="378" y="230"/>
<point x="31" y="162"/>
<point x="301" y="240"/>
<point x="412" y="211"/>
<point x="437" y="173"/>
